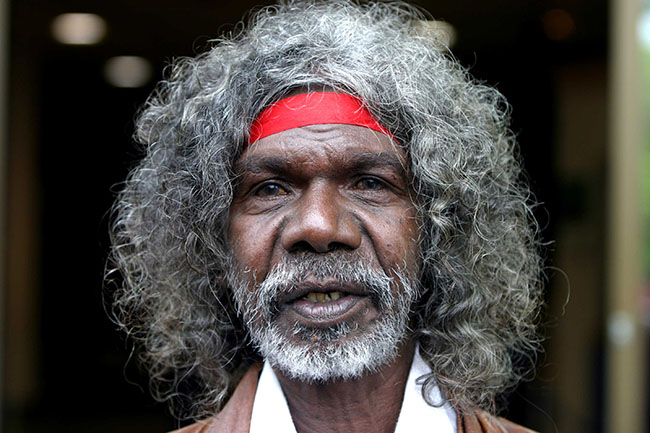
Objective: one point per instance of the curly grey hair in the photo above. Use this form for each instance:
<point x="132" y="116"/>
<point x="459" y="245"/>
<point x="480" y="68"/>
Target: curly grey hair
<point x="481" y="266"/>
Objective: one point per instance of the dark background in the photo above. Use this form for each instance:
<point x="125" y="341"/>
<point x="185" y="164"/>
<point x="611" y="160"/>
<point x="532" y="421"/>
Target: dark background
<point x="65" y="365"/>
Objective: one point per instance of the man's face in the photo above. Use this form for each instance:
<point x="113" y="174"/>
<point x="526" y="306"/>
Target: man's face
<point x="324" y="235"/>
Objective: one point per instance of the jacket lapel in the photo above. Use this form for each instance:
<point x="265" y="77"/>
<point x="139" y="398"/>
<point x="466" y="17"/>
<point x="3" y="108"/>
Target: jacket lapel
<point x="235" y="417"/>
<point x="482" y="422"/>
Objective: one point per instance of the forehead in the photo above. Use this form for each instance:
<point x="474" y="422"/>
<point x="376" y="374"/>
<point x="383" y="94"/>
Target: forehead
<point x="335" y="143"/>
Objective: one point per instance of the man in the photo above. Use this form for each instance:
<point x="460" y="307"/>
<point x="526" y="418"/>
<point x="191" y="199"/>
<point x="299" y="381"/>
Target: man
<point x="329" y="230"/>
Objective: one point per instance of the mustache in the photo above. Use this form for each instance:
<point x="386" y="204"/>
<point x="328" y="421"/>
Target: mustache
<point x="339" y="267"/>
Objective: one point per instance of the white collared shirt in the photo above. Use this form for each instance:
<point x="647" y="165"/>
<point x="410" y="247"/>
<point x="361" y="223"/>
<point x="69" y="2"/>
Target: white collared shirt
<point x="271" y="411"/>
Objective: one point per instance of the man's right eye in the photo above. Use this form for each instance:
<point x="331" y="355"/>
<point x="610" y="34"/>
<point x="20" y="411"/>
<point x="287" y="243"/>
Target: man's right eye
<point x="270" y="190"/>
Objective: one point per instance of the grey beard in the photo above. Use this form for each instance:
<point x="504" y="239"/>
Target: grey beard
<point x="322" y="354"/>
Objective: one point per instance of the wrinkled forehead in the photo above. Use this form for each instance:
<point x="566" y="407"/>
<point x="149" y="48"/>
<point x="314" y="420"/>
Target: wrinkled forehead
<point x="331" y="139"/>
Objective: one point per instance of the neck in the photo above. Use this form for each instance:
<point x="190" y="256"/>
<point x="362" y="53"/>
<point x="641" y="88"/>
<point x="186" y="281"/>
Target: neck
<point x="370" y="403"/>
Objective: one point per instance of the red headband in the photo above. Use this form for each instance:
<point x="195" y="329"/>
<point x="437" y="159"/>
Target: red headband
<point x="316" y="108"/>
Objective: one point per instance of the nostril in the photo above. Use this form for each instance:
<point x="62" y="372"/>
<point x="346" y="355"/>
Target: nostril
<point x="306" y="246"/>
<point x="339" y="246"/>
<point x="302" y="246"/>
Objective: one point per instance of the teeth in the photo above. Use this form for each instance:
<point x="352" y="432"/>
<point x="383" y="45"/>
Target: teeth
<point x="323" y="297"/>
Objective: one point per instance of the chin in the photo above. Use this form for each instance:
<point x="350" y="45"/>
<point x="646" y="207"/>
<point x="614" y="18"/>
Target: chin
<point x="332" y="353"/>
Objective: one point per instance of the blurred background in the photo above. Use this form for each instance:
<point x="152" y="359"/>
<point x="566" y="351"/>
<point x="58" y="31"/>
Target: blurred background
<point x="73" y="74"/>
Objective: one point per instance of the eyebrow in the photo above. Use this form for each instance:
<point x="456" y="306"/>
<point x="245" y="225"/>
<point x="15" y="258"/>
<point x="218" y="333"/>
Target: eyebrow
<point x="255" y="164"/>
<point x="355" y="162"/>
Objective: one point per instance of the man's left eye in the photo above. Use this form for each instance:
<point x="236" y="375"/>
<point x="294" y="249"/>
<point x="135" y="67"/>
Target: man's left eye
<point x="369" y="183"/>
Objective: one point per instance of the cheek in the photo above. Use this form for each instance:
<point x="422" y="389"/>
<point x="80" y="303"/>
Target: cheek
<point x="251" y="243"/>
<point x="398" y="242"/>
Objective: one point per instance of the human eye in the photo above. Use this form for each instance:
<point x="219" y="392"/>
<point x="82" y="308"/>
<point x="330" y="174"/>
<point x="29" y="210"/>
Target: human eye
<point x="369" y="184"/>
<point x="270" y="190"/>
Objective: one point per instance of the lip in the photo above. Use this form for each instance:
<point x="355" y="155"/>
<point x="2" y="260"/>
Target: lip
<point x="322" y="314"/>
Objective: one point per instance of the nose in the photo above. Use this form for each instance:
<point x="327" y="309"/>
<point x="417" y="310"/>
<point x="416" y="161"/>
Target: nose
<point x="321" y="222"/>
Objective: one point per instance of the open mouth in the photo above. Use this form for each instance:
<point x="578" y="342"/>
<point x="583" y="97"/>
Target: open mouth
<point x="323" y="297"/>
<point x="320" y="292"/>
<point x="325" y="305"/>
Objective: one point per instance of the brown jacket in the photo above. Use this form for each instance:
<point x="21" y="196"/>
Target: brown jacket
<point x="236" y="414"/>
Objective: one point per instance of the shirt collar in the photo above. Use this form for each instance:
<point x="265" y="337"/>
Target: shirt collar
<point x="271" y="412"/>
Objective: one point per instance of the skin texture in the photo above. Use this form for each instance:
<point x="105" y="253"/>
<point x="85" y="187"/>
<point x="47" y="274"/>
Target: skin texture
<point x="323" y="188"/>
